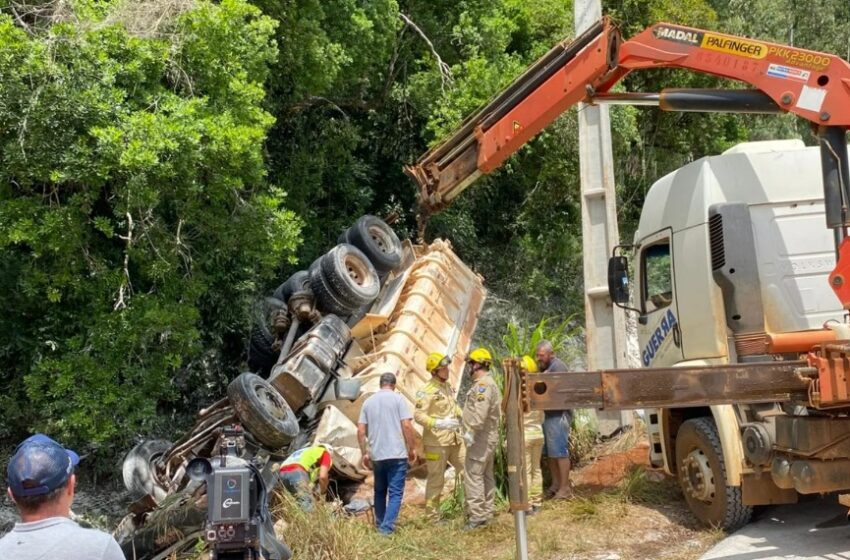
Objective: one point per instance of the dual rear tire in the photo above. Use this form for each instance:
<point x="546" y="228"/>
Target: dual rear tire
<point x="701" y="470"/>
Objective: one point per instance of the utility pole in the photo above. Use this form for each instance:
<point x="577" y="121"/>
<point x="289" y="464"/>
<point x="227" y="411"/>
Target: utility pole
<point x="605" y="325"/>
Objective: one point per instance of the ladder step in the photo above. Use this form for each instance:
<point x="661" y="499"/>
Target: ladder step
<point x="597" y="292"/>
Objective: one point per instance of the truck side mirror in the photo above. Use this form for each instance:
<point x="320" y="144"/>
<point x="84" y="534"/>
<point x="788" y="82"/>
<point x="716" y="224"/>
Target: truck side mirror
<point x="618" y="279"/>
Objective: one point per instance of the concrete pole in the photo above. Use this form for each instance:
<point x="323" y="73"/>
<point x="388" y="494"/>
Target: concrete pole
<point x="605" y="325"/>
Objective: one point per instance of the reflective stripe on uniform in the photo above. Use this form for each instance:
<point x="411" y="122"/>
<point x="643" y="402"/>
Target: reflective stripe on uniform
<point x="308" y="459"/>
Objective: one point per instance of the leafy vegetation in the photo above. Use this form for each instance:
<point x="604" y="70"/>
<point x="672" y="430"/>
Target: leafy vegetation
<point x="136" y="222"/>
<point x="164" y="162"/>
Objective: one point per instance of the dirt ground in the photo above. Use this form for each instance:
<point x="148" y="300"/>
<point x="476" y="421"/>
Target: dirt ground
<point x="622" y="511"/>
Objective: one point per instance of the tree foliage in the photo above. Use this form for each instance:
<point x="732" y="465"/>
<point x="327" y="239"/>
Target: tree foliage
<point x="135" y="217"/>
<point x="164" y="162"/>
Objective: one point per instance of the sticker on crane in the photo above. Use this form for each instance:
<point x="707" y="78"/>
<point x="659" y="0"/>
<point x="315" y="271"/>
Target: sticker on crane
<point x="734" y="45"/>
<point x="668" y="322"/>
<point x="677" y="34"/>
<point x="811" y="98"/>
<point x="788" y="73"/>
<point x="811" y="60"/>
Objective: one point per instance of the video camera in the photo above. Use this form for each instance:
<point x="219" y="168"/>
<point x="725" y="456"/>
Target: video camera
<point x="238" y="524"/>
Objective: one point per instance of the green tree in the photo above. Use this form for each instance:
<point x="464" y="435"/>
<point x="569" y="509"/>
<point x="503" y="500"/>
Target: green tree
<point x="136" y="221"/>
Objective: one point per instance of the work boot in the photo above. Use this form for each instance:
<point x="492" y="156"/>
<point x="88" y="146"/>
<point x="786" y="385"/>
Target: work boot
<point x="472" y="525"/>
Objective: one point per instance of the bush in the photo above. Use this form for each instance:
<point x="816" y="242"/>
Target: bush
<point x="135" y="219"/>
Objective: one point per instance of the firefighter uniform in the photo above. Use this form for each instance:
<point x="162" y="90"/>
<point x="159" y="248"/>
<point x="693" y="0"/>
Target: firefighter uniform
<point x="533" y="432"/>
<point x="481" y="415"/>
<point x="436" y="401"/>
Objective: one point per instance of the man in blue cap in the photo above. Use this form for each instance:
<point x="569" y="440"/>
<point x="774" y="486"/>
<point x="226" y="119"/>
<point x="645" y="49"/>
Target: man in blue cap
<point x="41" y="483"/>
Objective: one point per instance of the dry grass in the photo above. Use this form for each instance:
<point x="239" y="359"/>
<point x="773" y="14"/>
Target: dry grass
<point x="640" y="518"/>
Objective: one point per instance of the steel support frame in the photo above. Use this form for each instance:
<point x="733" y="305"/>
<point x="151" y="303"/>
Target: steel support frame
<point x="623" y="389"/>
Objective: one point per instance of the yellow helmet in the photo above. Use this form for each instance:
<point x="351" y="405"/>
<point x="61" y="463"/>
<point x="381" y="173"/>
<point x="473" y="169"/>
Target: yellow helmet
<point x="480" y="355"/>
<point x="436" y="360"/>
<point x="528" y="364"/>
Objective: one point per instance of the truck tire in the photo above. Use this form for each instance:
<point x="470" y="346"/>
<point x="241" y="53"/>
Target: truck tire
<point x="702" y="476"/>
<point x="261" y="353"/>
<point x="326" y="300"/>
<point x="377" y="241"/>
<point x="137" y="470"/>
<point x="264" y="314"/>
<point x="350" y="275"/>
<point x="261" y="356"/>
<point x="298" y="282"/>
<point x="262" y="410"/>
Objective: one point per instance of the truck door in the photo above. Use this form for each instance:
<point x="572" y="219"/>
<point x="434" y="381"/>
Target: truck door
<point x="659" y="335"/>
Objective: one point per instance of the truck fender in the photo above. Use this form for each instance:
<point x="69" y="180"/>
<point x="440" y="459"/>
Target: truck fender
<point x="730" y="438"/>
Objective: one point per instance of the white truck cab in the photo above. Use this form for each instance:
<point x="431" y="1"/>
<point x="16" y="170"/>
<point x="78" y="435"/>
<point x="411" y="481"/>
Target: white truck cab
<point x="729" y="248"/>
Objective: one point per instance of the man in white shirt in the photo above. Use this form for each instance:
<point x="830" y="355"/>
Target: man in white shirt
<point x="41" y="483"/>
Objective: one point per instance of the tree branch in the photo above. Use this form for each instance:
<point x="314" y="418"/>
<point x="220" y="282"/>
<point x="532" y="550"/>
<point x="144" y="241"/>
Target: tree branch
<point x="126" y="286"/>
<point x="445" y="72"/>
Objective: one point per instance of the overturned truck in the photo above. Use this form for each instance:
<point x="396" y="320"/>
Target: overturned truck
<point x="372" y="304"/>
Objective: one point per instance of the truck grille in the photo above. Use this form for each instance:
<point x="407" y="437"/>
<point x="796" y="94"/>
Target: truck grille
<point x="715" y="239"/>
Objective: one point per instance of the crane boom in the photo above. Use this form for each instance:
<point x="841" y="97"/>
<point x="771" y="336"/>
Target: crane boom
<point x="810" y="84"/>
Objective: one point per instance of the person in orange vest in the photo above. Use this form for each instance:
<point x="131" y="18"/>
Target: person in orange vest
<point x="303" y="470"/>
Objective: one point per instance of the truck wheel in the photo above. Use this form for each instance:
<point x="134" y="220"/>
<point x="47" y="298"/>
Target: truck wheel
<point x="702" y="476"/>
<point x="378" y="242"/>
<point x="350" y="275"/>
<point x="264" y="315"/>
<point x="261" y="356"/>
<point x="262" y="410"/>
<point x="261" y="353"/>
<point x="137" y="469"/>
<point x="298" y="282"/>
<point x="326" y="300"/>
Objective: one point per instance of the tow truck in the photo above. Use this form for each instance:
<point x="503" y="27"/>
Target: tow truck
<point x="741" y="294"/>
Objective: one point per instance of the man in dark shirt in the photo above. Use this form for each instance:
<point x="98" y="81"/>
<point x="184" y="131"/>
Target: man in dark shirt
<point x="556" y="429"/>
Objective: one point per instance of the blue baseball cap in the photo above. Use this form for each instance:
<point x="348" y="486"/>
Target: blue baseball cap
<point x="39" y="466"/>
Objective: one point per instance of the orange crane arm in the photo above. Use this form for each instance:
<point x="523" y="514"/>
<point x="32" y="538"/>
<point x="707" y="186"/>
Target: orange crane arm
<point x="812" y="85"/>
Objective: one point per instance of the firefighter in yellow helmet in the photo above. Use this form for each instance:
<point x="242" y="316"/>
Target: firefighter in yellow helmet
<point x="438" y="413"/>
<point x="481" y="417"/>
<point x="533" y="431"/>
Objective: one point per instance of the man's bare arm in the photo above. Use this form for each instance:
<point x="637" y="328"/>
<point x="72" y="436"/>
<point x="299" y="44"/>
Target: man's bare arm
<point x="409" y="439"/>
<point x="361" y="439"/>
<point x="324" y="478"/>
